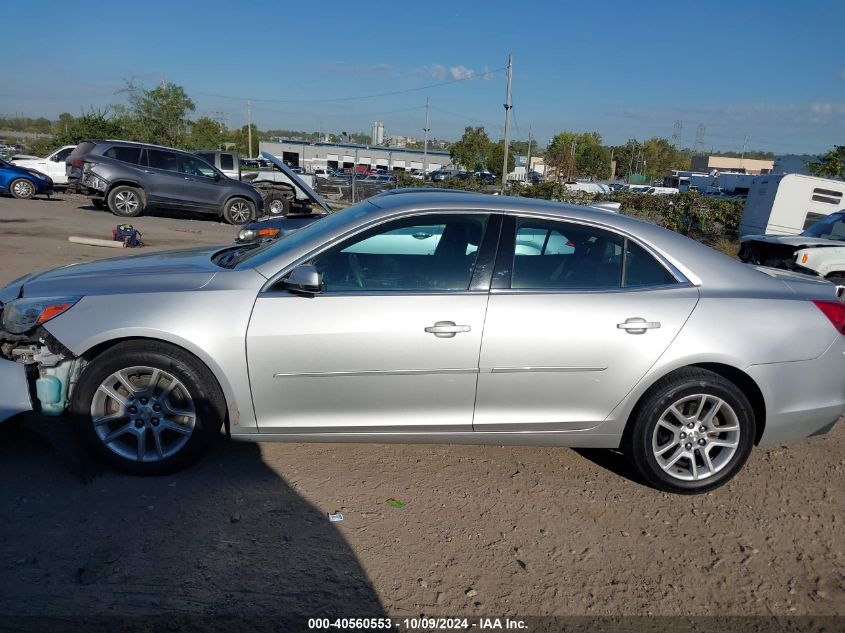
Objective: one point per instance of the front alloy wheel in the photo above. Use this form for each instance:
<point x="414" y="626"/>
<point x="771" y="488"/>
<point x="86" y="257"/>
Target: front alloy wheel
<point x="143" y="414"/>
<point x="147" y="407"/>
<point x="23" y="189"/>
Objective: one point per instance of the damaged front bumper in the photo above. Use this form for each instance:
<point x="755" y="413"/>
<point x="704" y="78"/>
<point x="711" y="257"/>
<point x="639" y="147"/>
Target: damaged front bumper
<point x="15" y="394"/>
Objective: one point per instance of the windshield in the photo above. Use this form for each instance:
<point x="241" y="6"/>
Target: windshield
<point x="832" y="227"/>
<point x="3" y="163"/>
<point x="272" y="248"/>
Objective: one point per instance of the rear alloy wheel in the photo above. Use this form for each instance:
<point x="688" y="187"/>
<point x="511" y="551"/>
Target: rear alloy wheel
<point x="22" y="188"/>
<point x="125" y="201"/>
<point x="147" y="409"/>
<point x="238" y="211"/>
<point x="278" y="205"/>
<point x="692" y="432"/>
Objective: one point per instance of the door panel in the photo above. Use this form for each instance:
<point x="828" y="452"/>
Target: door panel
<point x="200" y="188"/>
<point x="391" y="342"/>
<point x="559" y="361"/>
<point x="165" y="185"/>
<point x="357" y="363"/>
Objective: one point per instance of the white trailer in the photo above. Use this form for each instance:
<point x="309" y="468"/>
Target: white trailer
<point x="786" y="204"/>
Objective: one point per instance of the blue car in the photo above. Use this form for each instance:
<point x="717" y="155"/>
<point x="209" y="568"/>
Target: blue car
<point x="22" y="182"/>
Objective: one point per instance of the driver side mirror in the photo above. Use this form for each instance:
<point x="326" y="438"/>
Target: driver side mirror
<point x="304" y="279"/>
<point x="216" y="176"/>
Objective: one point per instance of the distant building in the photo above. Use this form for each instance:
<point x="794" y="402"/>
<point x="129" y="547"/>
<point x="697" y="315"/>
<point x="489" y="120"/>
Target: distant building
<point x="724" y="163"/>
<point x="377" y="137"/>
<point x="794" y="164"/>
<point x="309" y="155"/>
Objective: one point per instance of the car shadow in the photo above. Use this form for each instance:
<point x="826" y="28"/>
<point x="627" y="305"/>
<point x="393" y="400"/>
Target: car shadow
<point x="161" y="213"/>
<point x="613" y="461"/>
<point x="225" y="543"/>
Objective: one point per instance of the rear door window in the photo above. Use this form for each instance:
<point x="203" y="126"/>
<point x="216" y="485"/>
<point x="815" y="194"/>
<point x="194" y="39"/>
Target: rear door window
<point x="227" y="162"/>
<point x="160" y="159"/>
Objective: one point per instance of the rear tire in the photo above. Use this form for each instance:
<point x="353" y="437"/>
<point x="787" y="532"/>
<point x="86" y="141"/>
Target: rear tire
<point x="238" y="211"/>
<point x="277" y="205"/>
<point x="147" y="408"/>
<point x="691" y="432"/>
<point x="22" y="189"/>
<point x="125" y="201"/>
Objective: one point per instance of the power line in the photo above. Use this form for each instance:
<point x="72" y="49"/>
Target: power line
<point x="339" y="99"/>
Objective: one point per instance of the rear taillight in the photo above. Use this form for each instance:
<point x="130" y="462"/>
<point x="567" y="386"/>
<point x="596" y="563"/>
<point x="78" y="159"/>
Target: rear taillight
<point x="835" y="311"/>
<point x="76" y="162"/>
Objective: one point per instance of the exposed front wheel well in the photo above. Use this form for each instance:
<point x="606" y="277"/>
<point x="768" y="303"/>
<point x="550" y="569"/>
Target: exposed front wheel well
<point x="738" y="377"/>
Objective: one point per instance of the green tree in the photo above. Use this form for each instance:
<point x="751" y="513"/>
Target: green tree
<point x="473" y="150"/>
<point x="240" y="138"/>
<point x="495" y="158"/>
<point x="660" y="156"/>
<point x="159" y="115"/>
<point x="830" y="165"/>
<point x="206" y="133"/>
<point x="582" y="155"/>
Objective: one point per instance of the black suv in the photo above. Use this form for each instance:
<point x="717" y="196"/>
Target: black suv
<point x="129" y="177"/>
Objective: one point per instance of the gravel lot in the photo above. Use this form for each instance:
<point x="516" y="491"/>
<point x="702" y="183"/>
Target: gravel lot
<point x="486" y="530"/>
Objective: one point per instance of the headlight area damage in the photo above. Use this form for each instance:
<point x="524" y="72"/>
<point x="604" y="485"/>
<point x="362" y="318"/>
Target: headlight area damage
<point x="36" y="370"/>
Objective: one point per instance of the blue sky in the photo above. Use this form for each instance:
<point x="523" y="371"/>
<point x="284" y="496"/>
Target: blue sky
<point x="772" y="70"/>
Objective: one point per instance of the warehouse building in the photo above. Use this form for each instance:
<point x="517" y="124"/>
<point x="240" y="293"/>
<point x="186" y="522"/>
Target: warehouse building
<point x="308" y="155"/>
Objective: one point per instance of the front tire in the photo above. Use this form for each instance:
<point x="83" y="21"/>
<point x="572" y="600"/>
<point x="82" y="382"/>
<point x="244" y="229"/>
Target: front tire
<point x="238" y="211"/>
<point x="22" y="189"/>
<point x="147" y="408"/>
<point x="692" y="432"/>
<point x="125" y="201"/>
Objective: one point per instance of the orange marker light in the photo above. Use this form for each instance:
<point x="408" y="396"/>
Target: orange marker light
<point x="804" y="258"/>
<point x="53" y="311"/>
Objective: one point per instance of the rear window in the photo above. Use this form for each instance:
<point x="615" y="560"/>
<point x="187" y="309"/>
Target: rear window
<point x="83" y="148"/>
<point x="125" y="154"/>
<point x="227" y="161"/>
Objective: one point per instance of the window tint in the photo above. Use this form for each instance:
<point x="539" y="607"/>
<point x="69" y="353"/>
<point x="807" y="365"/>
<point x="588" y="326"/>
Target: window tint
<point x="227" y="161"/>
<point x="424" y="253"/>
<point x="207" y="157"/>
<point x="159" y="159"/>
<point x="125" y="154"/>
<point x="557" y="255"/>
<point x="196" y="167"/>
<point x="641" y="269"/>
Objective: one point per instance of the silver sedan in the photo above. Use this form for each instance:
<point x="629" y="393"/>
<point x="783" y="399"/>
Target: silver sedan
<point x="434" y="317"/>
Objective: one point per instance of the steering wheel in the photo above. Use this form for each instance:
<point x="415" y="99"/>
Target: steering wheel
<point x="357" y="270"/>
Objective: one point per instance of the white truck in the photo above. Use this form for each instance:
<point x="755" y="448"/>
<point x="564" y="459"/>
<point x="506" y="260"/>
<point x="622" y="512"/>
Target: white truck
<point x="787" y="204"/>
<point x="53" y="164"/>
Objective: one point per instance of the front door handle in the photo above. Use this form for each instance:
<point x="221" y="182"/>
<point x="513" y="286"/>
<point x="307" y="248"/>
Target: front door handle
<point x="637" y="325"/>
<point x="446" y="329"/>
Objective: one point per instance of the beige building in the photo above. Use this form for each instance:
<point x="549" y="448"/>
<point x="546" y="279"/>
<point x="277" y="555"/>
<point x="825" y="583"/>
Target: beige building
<point x="724" y="163"/>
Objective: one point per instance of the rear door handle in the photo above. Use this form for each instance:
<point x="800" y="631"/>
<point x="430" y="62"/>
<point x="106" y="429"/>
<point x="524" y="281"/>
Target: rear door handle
<point x="446" y="329"/>
<point x="638" y="325"/>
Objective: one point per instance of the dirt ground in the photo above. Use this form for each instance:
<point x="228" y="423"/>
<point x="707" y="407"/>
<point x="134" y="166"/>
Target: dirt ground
<point x="486" y="530"/>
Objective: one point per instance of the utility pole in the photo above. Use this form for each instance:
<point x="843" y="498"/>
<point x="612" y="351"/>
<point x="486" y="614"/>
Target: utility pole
<point x="249" y="127"/>
<point x="742" y="156"/>
<point x="425" y="143"/>
<point x="571" y="161"/>
<point x="508" y="106"/>
<point x="612" y="171"/>
<point x="528" y="159"/>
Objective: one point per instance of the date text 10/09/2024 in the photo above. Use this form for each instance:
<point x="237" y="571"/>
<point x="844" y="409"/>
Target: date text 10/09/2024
<point x="415" y="624"/>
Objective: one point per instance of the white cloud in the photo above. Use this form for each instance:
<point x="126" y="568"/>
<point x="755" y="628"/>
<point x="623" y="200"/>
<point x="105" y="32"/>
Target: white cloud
<point x="437" y="71"/>
<point x="486" y="73"/>
<point x="460" y="73"/>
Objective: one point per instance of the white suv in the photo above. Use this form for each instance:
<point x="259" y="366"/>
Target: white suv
<point x="53" y="165"/>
